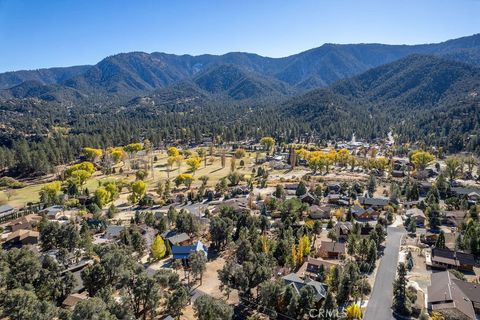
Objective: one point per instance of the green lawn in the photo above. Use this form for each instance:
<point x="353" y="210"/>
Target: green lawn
<point x="213" y="170"/>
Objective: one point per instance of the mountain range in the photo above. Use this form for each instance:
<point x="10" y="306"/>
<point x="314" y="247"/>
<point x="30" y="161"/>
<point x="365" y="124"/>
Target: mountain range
<point x="426" y="94"/>
<point x="237" y="75"/>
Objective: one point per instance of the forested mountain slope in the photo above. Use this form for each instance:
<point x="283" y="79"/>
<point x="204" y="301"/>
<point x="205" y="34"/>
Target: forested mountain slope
<point x="123" y="76"/>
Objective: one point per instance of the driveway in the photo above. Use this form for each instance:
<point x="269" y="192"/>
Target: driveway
<point x="380" y="302"/>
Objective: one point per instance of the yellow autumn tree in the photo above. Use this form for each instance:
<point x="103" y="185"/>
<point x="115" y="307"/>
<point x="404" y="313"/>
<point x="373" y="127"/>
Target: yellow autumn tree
<point x="354" y="311"/>
<point x="421" y="159"/>
<point x="305" y="240"/>
<point x="293" y="255"/>
<point x="117" y="154"/>
<point x="158" y="249"/>
<point x="265" y="243"/>
<point x="339" y="213"/>
<point x="173" y="152"/>
<point x="92" y="154"/>
<point x="193" y="164"/>
<point x="343" y="157"/>
<point x="300" y="251"/>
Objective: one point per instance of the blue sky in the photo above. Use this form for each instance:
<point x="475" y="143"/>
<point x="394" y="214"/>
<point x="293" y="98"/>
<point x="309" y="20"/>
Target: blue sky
<point x="46" y="33"/>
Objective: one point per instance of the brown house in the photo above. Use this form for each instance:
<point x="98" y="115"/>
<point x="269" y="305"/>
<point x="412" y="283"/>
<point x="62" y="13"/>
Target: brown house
<point x="454" y="218"/>
<point x="20" y="238"/>
<point x="73" y="299"/>
<point x="452" y="297"/>
<point x="448" y="259"/>
<point x="317" y="212"/>
<point x="26" y="222"/>
<point x="332" y="250"/>
<point x="418" y="215"/>
<point x="376" y="203"/>
<point x="309" y="198"/>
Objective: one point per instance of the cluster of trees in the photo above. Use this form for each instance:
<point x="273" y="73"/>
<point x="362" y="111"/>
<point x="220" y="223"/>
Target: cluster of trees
<point x="29" y="286"/>
<point x="256" y="253"/>
<point x="365" y="250"/>
<point x="469" y="238"/>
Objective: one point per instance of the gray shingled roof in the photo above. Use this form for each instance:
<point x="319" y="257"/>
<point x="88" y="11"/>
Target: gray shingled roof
<point x="448" y="292"/>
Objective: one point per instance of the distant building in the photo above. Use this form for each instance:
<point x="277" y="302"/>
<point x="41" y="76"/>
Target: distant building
<point x="26" y="222"/>
<point x="308" y="198"/>
<point x="113" y="232"/>
<point x="20" y="238"/>
<point x="316" y="212"/>
<point x="6" y="212"/>
<point x="376" y="203"/>
<point x="73" y="299"/>
<point x="364" y="214"/>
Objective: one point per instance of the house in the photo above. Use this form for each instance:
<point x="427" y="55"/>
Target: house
<point x="376" y="203"/>
<point x="240" y="190"/>
<point x="20" y="238"/>
<point x="338" y="199"/>
<point x="452" y="297"/>
<point x="291" y="189"/>
<point x="357" y="210"/>
<point x="176" y="239"/>
<point x="73" y="299"/>
<point x="308" y="198"/>
<point x="291" y="186"/>
<point x="471" y="194"/>
<point x="474" y="196"/>
<point x="410" y="204"/>
<point x="333" y="188"/>
<point x="342" y="229"/>
<point x="317" y="212"/>
<point x="448" y="259"/>
<point x="398" y="173"/>
<point x="423" y="188"/>
<point x="26" y="222"/>
<point x="454" y="218"/>
<point x="55" y="212"/>
<point x="418" y="215"/>
<point x="297" y="283"/>
<point x="239" y="205"/>
<point x="184" y="252"/>
<point x="364" y="214"/>
<point x="332" y="250"/>
<point x="6" y="212"/>
<point x="312" y="267"/>
<point x="113" y="232"/>
<point x="76" y="270"/>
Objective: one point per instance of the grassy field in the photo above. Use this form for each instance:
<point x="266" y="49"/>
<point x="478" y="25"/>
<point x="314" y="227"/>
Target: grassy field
<point x="213" y="170"/>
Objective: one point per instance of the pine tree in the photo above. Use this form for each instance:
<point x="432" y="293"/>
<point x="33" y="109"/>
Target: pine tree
<point x="401" y="303"/>
<point x="440" y="243"/>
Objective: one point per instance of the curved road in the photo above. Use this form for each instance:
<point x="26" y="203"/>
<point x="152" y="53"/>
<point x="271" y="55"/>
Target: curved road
<point x="380" y="302"/>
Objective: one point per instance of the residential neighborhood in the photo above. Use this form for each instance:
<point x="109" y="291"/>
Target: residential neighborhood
<point x="220" y="226"/>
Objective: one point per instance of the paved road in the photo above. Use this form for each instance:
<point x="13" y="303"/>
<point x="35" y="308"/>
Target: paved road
<point x="380" y="302"/>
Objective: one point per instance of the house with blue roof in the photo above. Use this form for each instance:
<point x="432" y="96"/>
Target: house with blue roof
<point x="184" y="252"/>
